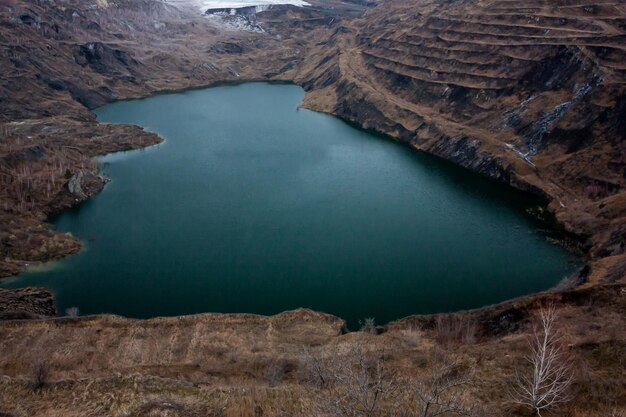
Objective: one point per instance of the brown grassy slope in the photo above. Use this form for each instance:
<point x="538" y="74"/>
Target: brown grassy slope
<point x="531" y="93"/>
<point x="229" y="365"/>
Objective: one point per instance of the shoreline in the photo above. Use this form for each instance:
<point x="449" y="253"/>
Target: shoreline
<point x="553" y="231"/>
<point x="479" y="315"/>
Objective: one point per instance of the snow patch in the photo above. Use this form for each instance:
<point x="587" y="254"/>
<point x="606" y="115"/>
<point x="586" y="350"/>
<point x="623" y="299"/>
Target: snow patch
<point x="204" y="5"/>
<point x="235" y="22"/>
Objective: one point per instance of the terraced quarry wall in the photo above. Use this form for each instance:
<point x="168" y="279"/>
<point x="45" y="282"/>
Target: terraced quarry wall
<point x="531" y="93"/>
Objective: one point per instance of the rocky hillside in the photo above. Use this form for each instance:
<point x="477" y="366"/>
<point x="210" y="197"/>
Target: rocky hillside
<point x="26" y="303"/>
<point x="531" y="93"/>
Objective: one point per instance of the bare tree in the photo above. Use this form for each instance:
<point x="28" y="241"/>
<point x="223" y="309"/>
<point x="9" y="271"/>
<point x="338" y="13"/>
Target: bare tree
<point x="441" y="393"/>
<point x="359" y="384"/>
<point x="548" y="384"/>
<point x="315" y="368"/>
<point x="72" y="312"/>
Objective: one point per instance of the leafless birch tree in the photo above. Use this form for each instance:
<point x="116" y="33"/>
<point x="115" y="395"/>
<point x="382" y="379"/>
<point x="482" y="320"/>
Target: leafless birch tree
<point x="362" y="384"/>
<point x="547" y="385"/>
<point x="355" y="383"/>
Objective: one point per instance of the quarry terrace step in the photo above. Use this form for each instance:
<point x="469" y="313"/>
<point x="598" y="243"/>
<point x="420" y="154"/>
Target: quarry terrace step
<point x="450" y="65"/>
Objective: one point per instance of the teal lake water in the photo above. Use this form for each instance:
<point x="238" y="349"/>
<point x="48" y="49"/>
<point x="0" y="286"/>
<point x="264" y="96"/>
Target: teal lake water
<point x="253" y="205"/>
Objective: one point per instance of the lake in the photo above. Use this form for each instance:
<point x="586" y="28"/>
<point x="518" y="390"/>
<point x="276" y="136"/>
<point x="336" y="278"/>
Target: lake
<point x="254" y="205"/>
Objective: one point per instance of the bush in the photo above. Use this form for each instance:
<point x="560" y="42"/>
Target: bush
<point x="275" y="373"/>
<point x="368" y="325"/>
<point x="72" y="312"/>
<point x="453" y="331"/>
<point x="41" y="371"/>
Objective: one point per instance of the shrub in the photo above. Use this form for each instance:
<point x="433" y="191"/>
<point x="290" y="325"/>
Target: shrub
<point x="41" y="371"/>
<point x="452" y="331"/>
<point x="368" y="325"/>
<point x="72" y="312"/>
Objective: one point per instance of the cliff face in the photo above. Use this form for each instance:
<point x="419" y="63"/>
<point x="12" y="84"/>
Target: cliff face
<point x="530" y="93"/>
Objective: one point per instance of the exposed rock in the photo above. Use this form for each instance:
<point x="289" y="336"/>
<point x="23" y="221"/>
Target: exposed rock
<point x="84" y="184"/>
<point x="100" y="56"/>
<point x="43" y="152"/>
<point x="532" y="96"/>
<point x="529" y="93"/>
<point x="26" y="303"/>
<point x="74" y="186"/>
<point x="227" y="48"/>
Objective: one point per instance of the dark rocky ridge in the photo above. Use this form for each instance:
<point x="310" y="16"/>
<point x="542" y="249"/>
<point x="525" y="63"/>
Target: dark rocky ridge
<point x="26" y="303"/>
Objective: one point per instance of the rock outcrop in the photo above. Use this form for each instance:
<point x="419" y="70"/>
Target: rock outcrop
<point x="26" y="303"/>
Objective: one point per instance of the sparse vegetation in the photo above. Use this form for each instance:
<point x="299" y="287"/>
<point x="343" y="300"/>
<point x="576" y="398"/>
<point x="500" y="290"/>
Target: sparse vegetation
<point x="72" y="312"/>
<point x="180" y="366"/>
<point x="473" y="82"/>
<point x="41" y="371"/>
<point x="275" y="372"/>
<point x="412" y="337"/>
<point x="361" y="384"/>
<point x="453" y="331"/>
<point x="368" y="325"/>
<point x="442" y="390"/>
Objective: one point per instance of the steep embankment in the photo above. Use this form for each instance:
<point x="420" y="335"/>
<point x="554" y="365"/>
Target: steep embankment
<point x="530" y="93"/>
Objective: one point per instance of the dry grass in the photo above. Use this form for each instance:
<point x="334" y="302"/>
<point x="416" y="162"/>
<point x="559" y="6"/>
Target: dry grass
<point x="455" y="331"/>
<point x="225" y="365"/>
